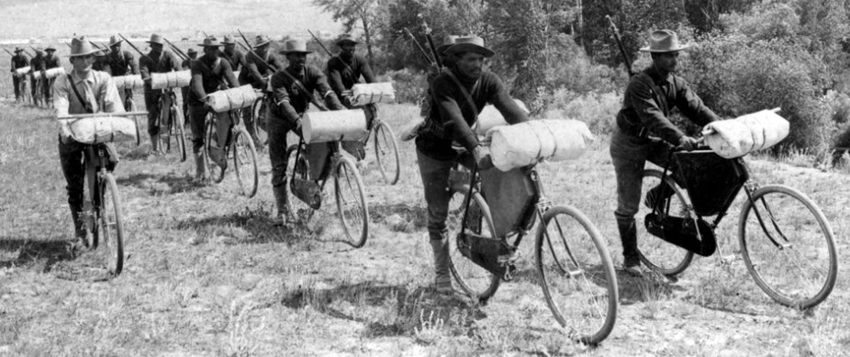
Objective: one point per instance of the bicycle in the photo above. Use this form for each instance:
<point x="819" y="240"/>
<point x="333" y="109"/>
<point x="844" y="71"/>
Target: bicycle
<point x="386" y="147"/>
<point x="130" y="106"/>
<point x="26" y="95"/>
<point x="573" y="264"/>
<point x="258" y="112"/>
<point x="102" y="209"/>
<point x="774" y="238"/>
<point x="350" y="201"/>
<point x="239" y="142"/>
<point x="171" y="126"/>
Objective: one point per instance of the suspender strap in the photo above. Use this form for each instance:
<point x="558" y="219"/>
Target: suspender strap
<point x="466" y="94"/>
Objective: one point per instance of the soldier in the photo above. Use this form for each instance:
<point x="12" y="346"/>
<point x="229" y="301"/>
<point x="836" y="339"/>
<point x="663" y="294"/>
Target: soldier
<point x="37" y="64"/>
<point x="79" y="92"/>
<point x="346" y="69"/>
<point x="256" y="73"/>
<point x="184" y="91"/>
<point x="121" y="63"/>
<point x="453" y="111"/>
<point x="19" y="60"/>
<point x="51" y="60"/>
<point x="156" y="61"/>
<point x="644" y="132"/>
<point x="231" y="54"/>
<point x="289" y="100"/>
<point x="410" y="131"/>
<point x="100" y="58"/>
<point x="209" y="74"/>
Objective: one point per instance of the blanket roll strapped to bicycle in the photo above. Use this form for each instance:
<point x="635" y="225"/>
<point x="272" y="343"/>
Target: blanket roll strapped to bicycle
<point x="50" y="73"/>
<point x="530" y="142"/>
<point x="170" y="79"/>
<point x="96" y="130"/>
<point x="745" y="134"/>
<point x="20" y="72"/>
<point x="368" y="93"/>
<point x="128" y="82"/>
<point x="490" y="117"/>
<point x="231" y="99"/>
<point x="337" y="125"/>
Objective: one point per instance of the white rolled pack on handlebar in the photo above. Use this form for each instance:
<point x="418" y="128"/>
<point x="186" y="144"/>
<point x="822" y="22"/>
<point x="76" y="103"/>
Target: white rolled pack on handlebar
<point x="368" y="93"/>
<point x="233" y="98"/>
<point x="528" y="143"/>
<point x="20" y="72"/>
<point x="170" y="79"/>
<point x="490" y="117"/>
<point x="50" y="73"/>
<point x="745" y="134"/>
<point x="96" y="129"/>
<point x="128" y="81"/>
<point x="337" y="125"/>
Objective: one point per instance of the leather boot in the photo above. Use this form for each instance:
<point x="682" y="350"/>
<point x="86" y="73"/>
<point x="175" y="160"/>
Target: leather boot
<point x="281" y="216"/>
<point x="628" y="237"/>
<point x="443" y="278"/>
<point x="201" y="172"/>
<point x="155" y="144"/>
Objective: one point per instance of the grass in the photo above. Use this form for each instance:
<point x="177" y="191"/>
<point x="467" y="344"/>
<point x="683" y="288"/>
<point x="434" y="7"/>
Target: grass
<point x="208" y="275"/>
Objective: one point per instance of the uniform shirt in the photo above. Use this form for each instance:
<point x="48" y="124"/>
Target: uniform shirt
<point x="19" y="61"/>
<point x="213" y="72"/>
<point x="449" y="105"/>
<point x="52" y="61"/>
<point x="642" y="108"/>
<point x="100" y="64"/>
<point x="285" y="90"/>
<point x="161" y="63"/>
<point x="37" y="63"/>
<point x="97" y="89"/>
<point x="255" y="70"/>
<point x="343" y="74"/>
<point x="122" y="63"/>
<point x="236" y="59"/>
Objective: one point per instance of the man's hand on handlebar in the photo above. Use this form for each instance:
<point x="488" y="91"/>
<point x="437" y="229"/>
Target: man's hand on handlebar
<point x="482" y="159"/>
<point x="297" y="127"/>
<point x="688" y="143"/>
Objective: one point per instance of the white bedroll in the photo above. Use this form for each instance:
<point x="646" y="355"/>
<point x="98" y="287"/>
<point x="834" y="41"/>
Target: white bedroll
<point x="347" y="125"/>
<point x="20" y="72"/>
<point x="368" y="93"/>
<point x="233" y="98"/>
<point x="50" y="73"/>
<point x="170" y="79"/>
<point x="98" y="128"/>
<point x="490" y="117"/>
<point x="128" y="81"/>
<point x="745" y="134"/>
<point x="527" y="143"/>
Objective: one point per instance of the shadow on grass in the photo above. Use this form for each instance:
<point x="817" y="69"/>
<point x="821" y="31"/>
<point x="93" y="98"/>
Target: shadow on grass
<point x="159" y="184"/>
<point x="33" y="252"/>
<point x="388" y="310"/>
<point x="245" y="227"/>
<point x="649" y="287"/>
<point x="413" y="218"/>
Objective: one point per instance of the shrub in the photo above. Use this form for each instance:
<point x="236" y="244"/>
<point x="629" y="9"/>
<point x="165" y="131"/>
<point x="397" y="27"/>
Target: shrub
<point x="597" y="110"/>
<point x="409" y="86"/>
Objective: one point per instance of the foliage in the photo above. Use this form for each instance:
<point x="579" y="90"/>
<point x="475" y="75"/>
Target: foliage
<point x="597" y="110"/>
<point x="366" y="13"/>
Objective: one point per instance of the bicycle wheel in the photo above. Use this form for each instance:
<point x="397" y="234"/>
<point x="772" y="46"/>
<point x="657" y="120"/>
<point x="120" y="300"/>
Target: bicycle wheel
<point x="293" y="169"/>
<point x="386" y="153"/>
<point x="351" y="202"/>
<point x="259" y="111"/>
<point x="800" y="269"/>
<point x="474" y="280"/>
<point x="131" y="107"/>
<point x="109" y="238"/>
<point x="178" y="131"/>
<point x="245" y="162"/>
<point x="576" y="274"/>
<point x="211" y="146"/>
<point x="657" y="254"/>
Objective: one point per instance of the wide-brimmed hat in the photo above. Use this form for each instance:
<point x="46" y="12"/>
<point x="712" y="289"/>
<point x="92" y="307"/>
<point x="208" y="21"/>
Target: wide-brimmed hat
<point x="473" y="44"/>
<point x="39" y="49"/>
<point x="50" y="48"/>
<point x="114" y="40"/>
<point x="18" y="49"/>
<point x="663" y="41"/>
<point x="228" y="40"/>
<point x="80" y="46"/>
<point x="447" y="42"/>
<point x="261" y="40"/>
<point x="156" y="39"/>
<point x="191" y="51"/>
<point x="295" y="46"/>
<point x="210" y="42"/>
<point x="344" y="39"/>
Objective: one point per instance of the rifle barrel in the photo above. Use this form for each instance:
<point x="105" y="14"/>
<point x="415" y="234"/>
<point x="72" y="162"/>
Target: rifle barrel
<point x="626" y="60"/>
<point x="131" y="45"/>
<point x="176" y="49"/>
<point x="320" y="43"/>
<point x="10" y="53"/>
<point x="419" y="46"/>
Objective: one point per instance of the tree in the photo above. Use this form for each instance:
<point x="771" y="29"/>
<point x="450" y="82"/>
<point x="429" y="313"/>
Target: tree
<point x="365" y="12"/>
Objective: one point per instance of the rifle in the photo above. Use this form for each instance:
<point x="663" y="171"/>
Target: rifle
<point x="321" y="44"/>
<point x="437" y="58"/>
<point x="619" y="40"/>
<point x="205" y="34"/>
<point x="69" y="45"/>
<point x="421" y="50"/>
<point x="176" y="50"/>
<point x="30" y="54"/>
<point x="281" y="70"/>
<point x="131" y="45"/>
<point x="10" y="53"/>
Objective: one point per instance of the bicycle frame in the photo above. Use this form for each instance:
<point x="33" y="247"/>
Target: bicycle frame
<point x="95" y="161"/>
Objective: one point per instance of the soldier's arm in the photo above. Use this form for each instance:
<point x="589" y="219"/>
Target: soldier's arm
<point x="690" y="104"/>
<point x="111" y="100"/>
<point x="198" y="81"/>
<point x="173" y="62"/>
<point x="651" y="116"/>
<point x="60" y="96"/>
<point x="366" y="70"/>
<point x="335" y="75"/>
<point x="144" y="68"/>
<point x="253" y="70"/>
<point x="134" y="66"/>
<point x="451" y="114"/>
<point x="504" y="103"/>
<point x="281" y="100"/>
<point x="228" y="74"/>
<point x="328" y="95"/>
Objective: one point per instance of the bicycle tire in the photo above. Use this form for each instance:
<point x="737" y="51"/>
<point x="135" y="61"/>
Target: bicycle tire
<point x="131" y="107"/>
<point x="824" y="252"/>
<point x="111" y="228"/>
<point x="295" y="205"/>
<point x="345" y="174"/>
<point x="210" y="133"/>
<point x="387" y="157"/>
<point x="177" y="125"/>
<point x="258" y="111"/>
<point x="658" y="255"/>
<point x="476" y="282"/>
<point x="580" y="277"/>
<point x="245" y="156"/>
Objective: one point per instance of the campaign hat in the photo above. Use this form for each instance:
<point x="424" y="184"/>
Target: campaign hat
<point x="295" y="46"/>
<point x="191" y="51"/>
<point x="447" y="42"/>
<point x="115" y="40"/>
<point x="261" y="40"/>
<point x="18" y="49"/>
<point x="80" y="46"/>
<point x="50" y="48"/>
<point x="345" y="39"/>
<point x="228" y="40"/>
<point x="210" y="42"/>
<point x="662" y="41"/>
<point x="156" y="38"/>
<point x="473" y="44"/>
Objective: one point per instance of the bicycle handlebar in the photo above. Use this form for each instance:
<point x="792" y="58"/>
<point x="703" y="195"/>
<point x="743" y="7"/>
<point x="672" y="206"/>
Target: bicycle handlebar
<point x="97" y="115"/>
